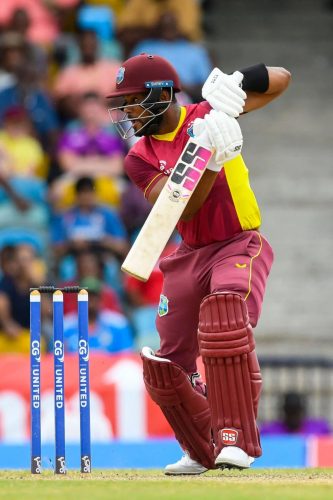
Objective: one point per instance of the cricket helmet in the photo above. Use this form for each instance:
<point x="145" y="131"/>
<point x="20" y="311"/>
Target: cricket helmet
<point x="143" y="72"/>
<point x="148" y="75"/>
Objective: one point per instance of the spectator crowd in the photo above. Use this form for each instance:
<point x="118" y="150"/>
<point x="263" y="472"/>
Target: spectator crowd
<point x="68" y="213"/>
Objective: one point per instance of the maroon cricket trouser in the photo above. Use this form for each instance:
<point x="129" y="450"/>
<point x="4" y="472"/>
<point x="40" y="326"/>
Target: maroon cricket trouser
<point x="241" y="264"/>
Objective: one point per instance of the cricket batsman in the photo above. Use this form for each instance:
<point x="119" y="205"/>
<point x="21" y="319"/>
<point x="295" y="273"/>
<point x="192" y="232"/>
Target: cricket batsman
<point x="214" y="283"/>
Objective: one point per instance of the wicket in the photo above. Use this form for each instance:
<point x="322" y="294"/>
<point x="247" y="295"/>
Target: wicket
<point x="59" y="377"/>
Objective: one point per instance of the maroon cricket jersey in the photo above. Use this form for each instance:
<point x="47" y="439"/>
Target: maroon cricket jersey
<point x="230" y="207"/>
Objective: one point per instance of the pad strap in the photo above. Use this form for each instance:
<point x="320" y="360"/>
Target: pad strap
<point x="232" y="371"/>
<point x="185" y="409"/>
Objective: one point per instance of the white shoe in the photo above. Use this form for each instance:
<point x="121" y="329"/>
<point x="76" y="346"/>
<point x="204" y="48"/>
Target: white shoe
<point x="232" y="457"/>
<point x="184" y="466"/>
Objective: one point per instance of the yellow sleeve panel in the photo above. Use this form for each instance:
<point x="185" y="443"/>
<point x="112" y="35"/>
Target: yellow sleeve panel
<point x="245" y="202"/>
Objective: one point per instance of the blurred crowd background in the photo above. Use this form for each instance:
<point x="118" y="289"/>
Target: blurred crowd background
<point x="68" y="213"/>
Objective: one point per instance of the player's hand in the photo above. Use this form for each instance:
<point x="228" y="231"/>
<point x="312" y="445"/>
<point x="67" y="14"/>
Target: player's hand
<point x="224" y="134"/>
<point x="224" y="93"/>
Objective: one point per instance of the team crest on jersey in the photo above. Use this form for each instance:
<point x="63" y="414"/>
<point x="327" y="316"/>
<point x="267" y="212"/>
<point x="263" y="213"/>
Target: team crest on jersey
<point x="163" y="306"/>
<point x="190" y="130"/>
<point x="120" y="75"/>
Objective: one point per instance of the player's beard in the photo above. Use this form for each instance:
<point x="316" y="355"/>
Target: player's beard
<point x="151" y="128"/>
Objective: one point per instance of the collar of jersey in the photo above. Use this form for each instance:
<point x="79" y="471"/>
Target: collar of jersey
<point x="171" y="135"/>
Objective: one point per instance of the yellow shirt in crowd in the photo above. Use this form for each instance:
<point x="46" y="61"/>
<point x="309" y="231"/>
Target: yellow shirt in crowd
<point x="25" y="155"/>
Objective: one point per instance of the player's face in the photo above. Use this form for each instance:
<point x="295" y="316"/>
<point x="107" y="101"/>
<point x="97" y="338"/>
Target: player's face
<point x="135" y="112"/>
<point x="139" y="114"/>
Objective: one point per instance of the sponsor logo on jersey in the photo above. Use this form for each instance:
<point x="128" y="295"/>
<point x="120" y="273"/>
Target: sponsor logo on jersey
<point x="163" y="306"/>
<point x="162" y="164"/>
<point x="240" y="266"/>
<point x="229" y="436"/>
<point x="190" y="130"/>
<point x="163" y="167"/>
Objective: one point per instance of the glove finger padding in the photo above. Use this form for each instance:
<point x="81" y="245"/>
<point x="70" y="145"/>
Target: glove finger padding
<point x="198" y="127"/>
<point x="213" y="131"/>
<point x="230" y="126"/>
<point x="201" y="134"/>
<point x="238" y="78"/>
<point x="217" y="79"/>
<point x="222" y="103"/>
<point x="218" y="127"/>
<point x="229" y="96"/>
<point x="223" y="92"/>
<point x="233" y="82"/>
<point x="225" y="125"/>
<point x="235" y="130"/>
<point x="225" y="135"/>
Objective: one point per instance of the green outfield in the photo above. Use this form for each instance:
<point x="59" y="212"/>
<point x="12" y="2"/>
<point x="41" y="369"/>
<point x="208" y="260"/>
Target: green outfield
<point x="142" y="484"/>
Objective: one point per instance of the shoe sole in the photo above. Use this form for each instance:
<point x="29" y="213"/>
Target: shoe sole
<point x="184" y="473"/>
<point x="230" y="465"/>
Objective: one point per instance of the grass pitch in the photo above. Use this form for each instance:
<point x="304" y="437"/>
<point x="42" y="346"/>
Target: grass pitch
<point x="150" y="484"/>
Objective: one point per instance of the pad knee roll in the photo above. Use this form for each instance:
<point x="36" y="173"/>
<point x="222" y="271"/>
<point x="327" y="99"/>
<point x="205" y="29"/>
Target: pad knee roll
<point x="232" y="371"/>
<point x="185" y="409"/>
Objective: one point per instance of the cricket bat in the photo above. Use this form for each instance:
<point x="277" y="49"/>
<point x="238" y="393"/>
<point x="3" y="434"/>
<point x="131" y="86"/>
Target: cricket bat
<point x="167" y="210"/>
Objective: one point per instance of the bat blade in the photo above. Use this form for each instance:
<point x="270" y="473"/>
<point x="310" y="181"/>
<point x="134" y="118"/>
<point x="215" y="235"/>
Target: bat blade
<point x="167" y="210"/>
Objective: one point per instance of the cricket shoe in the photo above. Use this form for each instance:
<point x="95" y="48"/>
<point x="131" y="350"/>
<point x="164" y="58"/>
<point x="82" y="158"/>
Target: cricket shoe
<point x="232" y="457"/>
<point x="186" y="465"/>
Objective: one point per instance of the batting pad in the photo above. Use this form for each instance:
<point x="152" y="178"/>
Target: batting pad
<point x="185" y="409"/>
<point x="232" y="371"/>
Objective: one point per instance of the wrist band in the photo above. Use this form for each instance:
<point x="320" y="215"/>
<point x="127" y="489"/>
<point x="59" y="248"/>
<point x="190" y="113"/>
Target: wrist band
<point x="256" y="78"/>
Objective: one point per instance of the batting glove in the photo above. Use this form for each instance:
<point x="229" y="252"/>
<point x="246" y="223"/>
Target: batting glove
<point x="224" y="134"/>
<point x="224" y="92"/>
